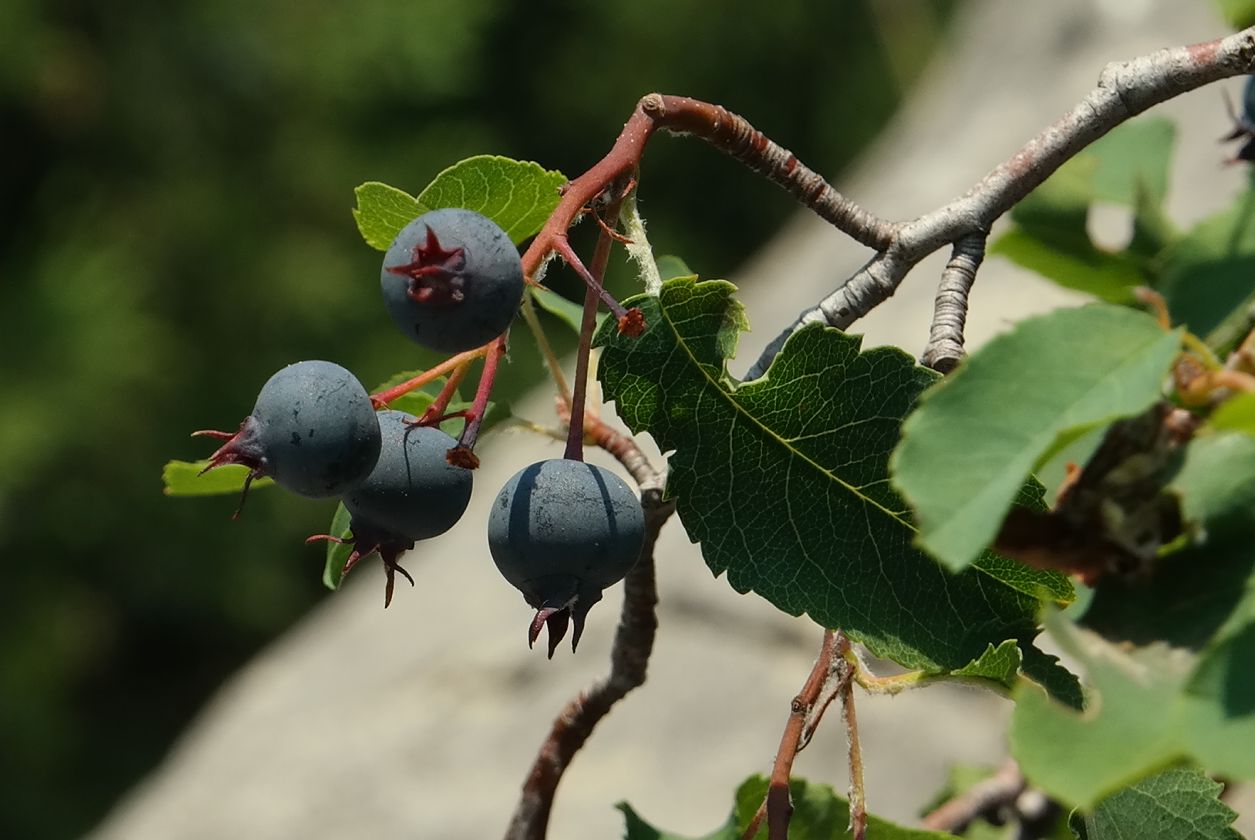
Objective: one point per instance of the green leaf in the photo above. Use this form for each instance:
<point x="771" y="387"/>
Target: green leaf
<point x="1239" y="13"/>
<point x="1217" y="482"/>
<point x="1046" y="670"/>
<point x="671" y="266"/>
<point x="818" y="814"/>
<point x="1053" y="472"/>
<point x="183" y="478"/>
<point x="635" y="828"/>
<point x="1073" y="264"/>
<point x="1235" y="414"/>
<point x="1147" y="712"/>
<point x="1133" y="159"/>
<point x="1205" y="276"/>
<point x="566" y="311"/>
<point x="382" y="211"/>
<point x="1007" y="663"/>
<point x="1171" y="805"/>
<point x="517" y="195"/>
<point x="784" y="480"/>
<point x="1000" y="664"/>
<point x="1043" y="587"/>
<point x="337" y="553"/>
<point x="976" y="436"/>
<point x="1201" y="599"/>
<point x="1153" y="231"/>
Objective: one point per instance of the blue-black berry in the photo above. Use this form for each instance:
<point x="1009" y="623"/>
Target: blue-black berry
<point x="561" y="531"/>
<point x="413" y="494"/>
<point x="313" y="430"/>
<point x="452" y="280"/>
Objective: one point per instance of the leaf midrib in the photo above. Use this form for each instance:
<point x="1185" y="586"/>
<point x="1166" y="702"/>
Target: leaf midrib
<point x="727" y="396"/>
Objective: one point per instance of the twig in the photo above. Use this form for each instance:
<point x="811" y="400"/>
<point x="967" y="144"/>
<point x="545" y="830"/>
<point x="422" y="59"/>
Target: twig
<point x="463" y="455"/>
<point x="944" y="350"/>
<point x="629" y="658"/>
<point x="858" y="792"/>
<point x="825" y="681"/>
<point x="1124" y="90"/>
<point x="733" y="135"/>
<point x="723" y="130"/>
<point x="435" y="412"/>
<point x="381" y="399"/>
<point x="985" y="797"/>
<point x="594" y="292"/>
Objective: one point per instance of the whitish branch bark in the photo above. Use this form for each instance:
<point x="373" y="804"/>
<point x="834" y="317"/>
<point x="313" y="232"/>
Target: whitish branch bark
<point x="1124" y="90"/>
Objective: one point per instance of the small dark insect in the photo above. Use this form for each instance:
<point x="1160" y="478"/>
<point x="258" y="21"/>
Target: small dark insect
<point x="1244" y="123"/>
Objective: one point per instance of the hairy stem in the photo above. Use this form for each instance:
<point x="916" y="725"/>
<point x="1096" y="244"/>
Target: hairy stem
<point x="858" y="792"/>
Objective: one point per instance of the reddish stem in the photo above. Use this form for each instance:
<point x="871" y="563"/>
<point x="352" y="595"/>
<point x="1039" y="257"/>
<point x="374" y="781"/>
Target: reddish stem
<point x="601" y="258"/>
<point x="591" y="277"/>
<point x="620" y="161"/>
<point x="575" y="429"/>
<point x="779" y="808"/>
<point x="463" y="454"/>
<point x="450" y="365"/>
<point x="725" y="131"/>
<point x="434" y="414"/>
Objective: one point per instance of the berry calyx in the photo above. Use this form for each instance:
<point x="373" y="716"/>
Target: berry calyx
<point x="560" y="532"/>
<point x="435" y="273"/>
<point x="313" y="430"/>
<point x="412" y="494"/>
<point x="452" y="280"/>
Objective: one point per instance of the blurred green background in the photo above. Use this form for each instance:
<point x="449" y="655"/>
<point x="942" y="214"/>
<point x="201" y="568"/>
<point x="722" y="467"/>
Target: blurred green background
<point x="176" y="183"/>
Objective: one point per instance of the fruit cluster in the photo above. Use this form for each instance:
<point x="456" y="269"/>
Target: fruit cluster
<point x="560" y="531"/>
